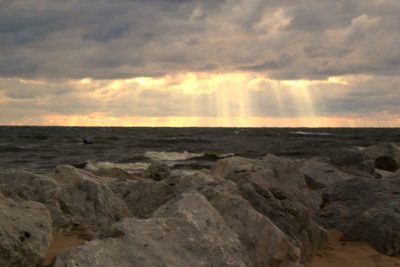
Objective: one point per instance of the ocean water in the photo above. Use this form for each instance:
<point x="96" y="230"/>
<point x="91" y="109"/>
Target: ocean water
<point x="43" y="148"/>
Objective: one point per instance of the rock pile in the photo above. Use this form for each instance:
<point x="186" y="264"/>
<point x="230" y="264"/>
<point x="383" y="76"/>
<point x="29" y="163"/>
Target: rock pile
<point x="243" y="212"/>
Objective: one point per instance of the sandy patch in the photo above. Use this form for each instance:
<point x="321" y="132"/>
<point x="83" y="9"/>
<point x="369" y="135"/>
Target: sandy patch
<point x="350" y="254"/>
<point x="61" y="242"/>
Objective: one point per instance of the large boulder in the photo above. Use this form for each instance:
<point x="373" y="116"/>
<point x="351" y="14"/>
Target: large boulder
<point x="379" y="226"/>
<point x="264" y="242"/>
<point x="290" y="216"/>
<point x="76" y="199"/>
<point x="319" y="174"/>
<point x="25" y="233"/>
<point x="23" y="185"/>
<point x="354" y="161"/>
<point x="365" y="210"/>
<point x="385" y="155"/>
<point x="344" y="201"/>
<point x="218" y="236"/>
<point x="84" y="201"/>
<point x="270" y="172"/>
<point x="142" y="196"/>
<point x="187" y="231"/>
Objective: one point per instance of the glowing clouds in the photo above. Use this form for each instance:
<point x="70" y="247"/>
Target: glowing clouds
<point x="242" y="99"/>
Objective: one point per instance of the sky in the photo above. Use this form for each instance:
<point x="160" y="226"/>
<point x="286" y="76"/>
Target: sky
<point x="232" y="63"/>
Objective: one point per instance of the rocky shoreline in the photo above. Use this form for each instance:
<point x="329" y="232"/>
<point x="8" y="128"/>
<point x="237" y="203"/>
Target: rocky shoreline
<point x="272" y="211"/>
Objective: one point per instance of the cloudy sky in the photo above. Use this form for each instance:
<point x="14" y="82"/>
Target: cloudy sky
<point x="200" y="62"/>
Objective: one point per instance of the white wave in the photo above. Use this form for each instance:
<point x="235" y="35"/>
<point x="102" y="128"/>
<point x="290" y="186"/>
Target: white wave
<point x="128" y="167"/>
<point x="225" y="155"/>
<point x="171" y="156"/>
<point x="309" y="133"/>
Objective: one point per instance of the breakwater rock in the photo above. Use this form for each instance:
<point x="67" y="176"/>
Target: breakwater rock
<point x="271" y="211"/>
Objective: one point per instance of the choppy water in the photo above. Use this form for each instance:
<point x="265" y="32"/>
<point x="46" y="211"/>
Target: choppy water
<point x="43" y="148"/>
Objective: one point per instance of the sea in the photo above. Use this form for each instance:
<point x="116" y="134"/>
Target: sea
<point x="43" y="148"/>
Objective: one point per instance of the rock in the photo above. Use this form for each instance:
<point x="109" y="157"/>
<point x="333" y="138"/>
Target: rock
<point x="396" y="174"/>
<point x="189" y="233"/>
<point x="385" y="155"/>
<point x="23" y="185"/>
<point x="379" y="226"/>
<point x="105" y="169"/>
<point x="157" y="171"/>
<point x="365" y="210"/>
<point x="84" y="201"/>
<point x="143" y="196"/>
<point x="319" y="175"/>
<point x="384" y="174"/>
<point x="224" y="168"/>
<point x="219" y="238"/>
<point x="265" y="243"/>
<point x="290" y="216"/>
<point x="346" y="200"/>
<point x="386" y="163"/>
<point x="183" y="180"/>
<point x="352" y="160"/>
<point x="25" y="233"/>
<point x="270" y="172"/>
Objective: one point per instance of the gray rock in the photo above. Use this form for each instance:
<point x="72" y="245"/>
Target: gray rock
<point x="143" y="196"/>
<point x="22" y="185"/>
<point x="385" y="155"/>
<point x="256" y="232"/>
<point x="157" y="171"/>
<point x="189" y="233"/>
<point x="365" y="210"/>
<point x="224" y="168"/>
<point x="76" y="199"/>
<point x="346" y="200"/>
<point x="384" y="174"/>
<point x="353" y="160"/>
<point x="84" y="201"/>
<point x="182" y="180"/>
<point x="219" y="238"/>
<point x="379" y="226"/>
<point x="290" y="216"/>
<point x="25" y="233"/>
<point x="319" y="175"/>
<point x="264" y="242"/>
<point x="270" y="172"/>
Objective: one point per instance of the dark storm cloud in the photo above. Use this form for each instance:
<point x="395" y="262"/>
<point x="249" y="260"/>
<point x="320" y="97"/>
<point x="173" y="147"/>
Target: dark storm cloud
<point x="284" y="39"/>
<point x="279" y="63"/>
<point x="312" y="15"/>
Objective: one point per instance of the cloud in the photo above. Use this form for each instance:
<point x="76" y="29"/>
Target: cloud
<point x="199" y="58"/>
<point x="229" y="96"/>
<point x="107" y="32"/>
<point x="122" y="39"/>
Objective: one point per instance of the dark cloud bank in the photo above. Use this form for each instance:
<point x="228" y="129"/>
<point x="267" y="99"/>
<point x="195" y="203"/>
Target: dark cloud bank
<point x="117" y="39"/>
